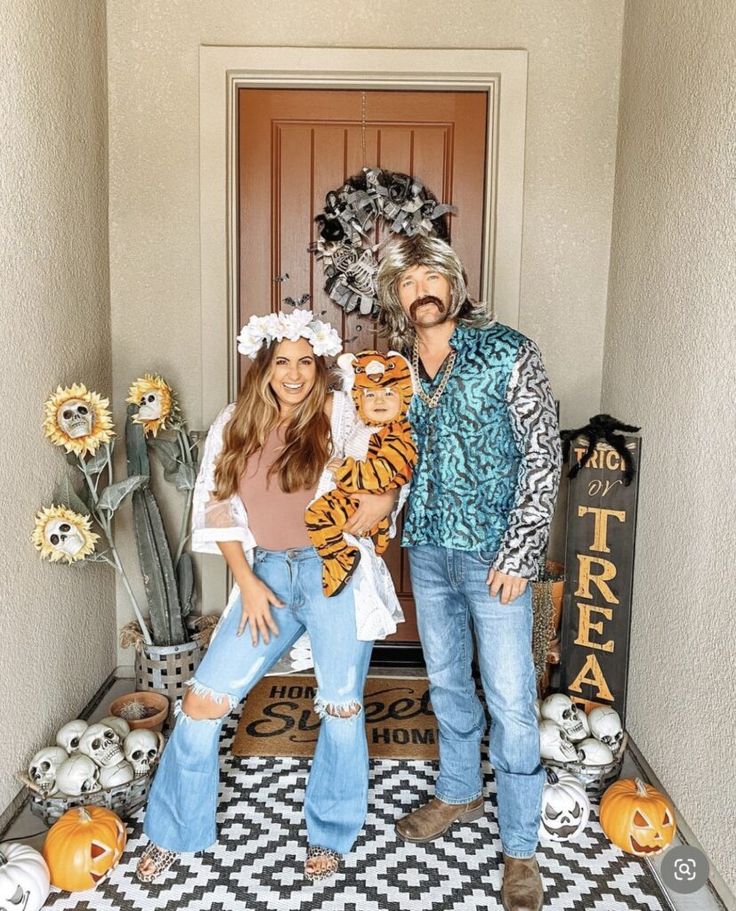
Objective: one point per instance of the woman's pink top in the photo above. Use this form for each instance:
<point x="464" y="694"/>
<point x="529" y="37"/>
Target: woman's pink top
<point x="275" y="518"/>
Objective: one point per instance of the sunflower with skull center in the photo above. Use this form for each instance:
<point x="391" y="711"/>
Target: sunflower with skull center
<point x="156" y="403"/>
<point x="78" y="419"/>
<point x="62" y="534"/>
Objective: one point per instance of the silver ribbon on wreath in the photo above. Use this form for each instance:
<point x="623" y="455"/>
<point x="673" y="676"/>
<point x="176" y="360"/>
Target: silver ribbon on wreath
<point x="349" y="259"/>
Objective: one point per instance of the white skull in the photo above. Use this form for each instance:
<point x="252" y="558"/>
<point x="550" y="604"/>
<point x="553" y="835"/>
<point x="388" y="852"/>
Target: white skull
<point x="44" y="766"/>
<point x="118" y="724"/>
<point x="554" y="743"/>
<point x="149" y="408"/>
<point x="583" y="719"/>
<point x="68" y="736"/>
<point x="605" y="725"/>
<point x="78" y="775"/>
<point x="62" y="535"/>
<point x="559" y="708"/>
<point x="141" y="749"/>
<point x="121" y="773"/>
<point x="75" y="417"/>
<point x="593" y="752"/>
<point x="538" y="709"/>
<point x="102" y="744"/>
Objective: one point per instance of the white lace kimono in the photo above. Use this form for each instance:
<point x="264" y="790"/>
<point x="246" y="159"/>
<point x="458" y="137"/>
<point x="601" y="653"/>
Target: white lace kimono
<point x="377" y="609"/>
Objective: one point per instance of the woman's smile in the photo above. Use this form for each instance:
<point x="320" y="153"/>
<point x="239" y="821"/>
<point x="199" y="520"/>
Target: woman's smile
<point x="293" y="372"/>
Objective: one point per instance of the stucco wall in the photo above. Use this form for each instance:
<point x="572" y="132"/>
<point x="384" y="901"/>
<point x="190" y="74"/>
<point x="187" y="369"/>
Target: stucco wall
<point x="574" y="56"/>
<point x="57" y="624"/>
<point x="669" y="366"/>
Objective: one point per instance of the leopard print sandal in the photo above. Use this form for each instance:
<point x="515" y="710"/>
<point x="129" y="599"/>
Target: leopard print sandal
<point x="162" y="861"/>
<point x="330" y="869"/>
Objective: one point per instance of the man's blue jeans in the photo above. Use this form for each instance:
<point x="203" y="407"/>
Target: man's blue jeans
<point x="183" y="800"/>
<point x="452" y="599"/>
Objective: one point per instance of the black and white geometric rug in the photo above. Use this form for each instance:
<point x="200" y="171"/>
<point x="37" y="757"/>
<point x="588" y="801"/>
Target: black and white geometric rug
<point x="257" y="864"/>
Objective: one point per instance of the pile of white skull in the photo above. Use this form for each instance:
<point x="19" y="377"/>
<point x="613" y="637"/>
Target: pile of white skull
<point x="567" y="734"/>
<point x="89" y="757"/>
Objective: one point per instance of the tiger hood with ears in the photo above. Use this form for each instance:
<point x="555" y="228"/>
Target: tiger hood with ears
<point x="387" y="464"/>
<point x="372" y="370"/>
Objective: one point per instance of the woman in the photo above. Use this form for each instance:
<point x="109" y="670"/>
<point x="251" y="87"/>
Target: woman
<point x="264" y="461"/>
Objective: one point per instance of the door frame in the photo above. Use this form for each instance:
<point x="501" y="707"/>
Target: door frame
<point x="502" y="74"/>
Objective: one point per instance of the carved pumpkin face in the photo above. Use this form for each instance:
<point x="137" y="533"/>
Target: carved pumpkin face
<point x="637" y="818"/>
<point x="650" y="836"/>
<point x="83" y="847"/>
<point x="565" y="806"/>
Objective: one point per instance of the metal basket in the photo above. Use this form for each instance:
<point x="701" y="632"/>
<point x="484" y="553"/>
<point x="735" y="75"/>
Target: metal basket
<point x="595" y="778"/>
<point x="166" y="668"/>
<point x="123" y="799"/>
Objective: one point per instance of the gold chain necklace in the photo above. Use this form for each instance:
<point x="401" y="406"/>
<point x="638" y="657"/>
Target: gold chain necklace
<point x="433" y="400"/>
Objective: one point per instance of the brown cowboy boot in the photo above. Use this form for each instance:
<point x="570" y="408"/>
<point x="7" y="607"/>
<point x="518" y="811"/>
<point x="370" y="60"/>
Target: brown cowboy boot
<point x="435" y="818"/>
<point x="522" y="888"/>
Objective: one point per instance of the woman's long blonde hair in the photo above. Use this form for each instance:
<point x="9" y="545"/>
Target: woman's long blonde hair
<point x="307" y="439"/>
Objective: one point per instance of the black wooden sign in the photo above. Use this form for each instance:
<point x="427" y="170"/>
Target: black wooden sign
<point x="599" y="568"/>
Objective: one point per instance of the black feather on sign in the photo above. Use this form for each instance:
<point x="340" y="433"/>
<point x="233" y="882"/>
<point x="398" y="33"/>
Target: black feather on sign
<point x="601" y="428"/>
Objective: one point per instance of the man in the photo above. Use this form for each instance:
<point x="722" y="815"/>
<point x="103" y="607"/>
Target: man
<point x="476" y="527"/>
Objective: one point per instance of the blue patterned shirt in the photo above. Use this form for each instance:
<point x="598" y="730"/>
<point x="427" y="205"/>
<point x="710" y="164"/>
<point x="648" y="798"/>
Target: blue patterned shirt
<point x="489" y="453"/>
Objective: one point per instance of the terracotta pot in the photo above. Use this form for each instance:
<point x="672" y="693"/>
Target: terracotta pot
<point x="150" y="700"/>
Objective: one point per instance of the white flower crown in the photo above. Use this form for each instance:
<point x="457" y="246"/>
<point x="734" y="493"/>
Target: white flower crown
<point x="294" y="325"/>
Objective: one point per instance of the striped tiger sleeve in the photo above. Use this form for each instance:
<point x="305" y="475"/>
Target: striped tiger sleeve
<point x="389" y="468"/>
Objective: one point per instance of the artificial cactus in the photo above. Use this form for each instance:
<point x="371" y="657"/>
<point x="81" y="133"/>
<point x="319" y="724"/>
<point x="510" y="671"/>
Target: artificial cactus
<point x="159" y="576"/>
<point x="185" y="579"/>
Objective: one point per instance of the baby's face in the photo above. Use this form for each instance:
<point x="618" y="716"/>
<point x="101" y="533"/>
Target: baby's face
<point x="381" y="405"/>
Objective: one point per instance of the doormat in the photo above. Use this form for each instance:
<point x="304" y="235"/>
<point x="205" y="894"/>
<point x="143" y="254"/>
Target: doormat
<point x="279" y="719"/>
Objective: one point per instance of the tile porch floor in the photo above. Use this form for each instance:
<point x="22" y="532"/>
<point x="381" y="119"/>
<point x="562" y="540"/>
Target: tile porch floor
<point x="25" y="824"/>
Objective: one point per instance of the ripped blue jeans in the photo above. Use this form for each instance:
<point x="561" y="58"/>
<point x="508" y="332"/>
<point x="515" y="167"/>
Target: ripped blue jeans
<point x="182" y="804"/>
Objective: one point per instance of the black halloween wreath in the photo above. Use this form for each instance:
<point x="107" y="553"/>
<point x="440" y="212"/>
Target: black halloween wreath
<point x="350" y="213"/>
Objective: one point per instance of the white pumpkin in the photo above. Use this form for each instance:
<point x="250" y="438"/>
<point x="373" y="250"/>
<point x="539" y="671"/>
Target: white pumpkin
<point x="565" y="806"/>
<point x="24" y="877"/>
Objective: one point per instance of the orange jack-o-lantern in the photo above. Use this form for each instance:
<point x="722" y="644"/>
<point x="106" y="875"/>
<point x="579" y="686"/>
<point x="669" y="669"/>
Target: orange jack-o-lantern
<point x="83" y="846"/>
<point x="637" y="818"/>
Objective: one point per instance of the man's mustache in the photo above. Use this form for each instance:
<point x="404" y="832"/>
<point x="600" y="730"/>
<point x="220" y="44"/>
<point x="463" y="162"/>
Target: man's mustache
<point x="428" y="299"/>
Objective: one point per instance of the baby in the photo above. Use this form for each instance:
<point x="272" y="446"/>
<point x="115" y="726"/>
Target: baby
<point x="381" y="386"/>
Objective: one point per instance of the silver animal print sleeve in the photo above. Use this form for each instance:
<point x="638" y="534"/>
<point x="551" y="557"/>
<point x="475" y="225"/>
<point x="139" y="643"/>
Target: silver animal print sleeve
<point x="534" y="424"/>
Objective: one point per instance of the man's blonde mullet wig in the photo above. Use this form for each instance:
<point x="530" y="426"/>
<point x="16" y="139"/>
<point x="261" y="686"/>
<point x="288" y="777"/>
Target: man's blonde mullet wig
<point x="401" y="253"/>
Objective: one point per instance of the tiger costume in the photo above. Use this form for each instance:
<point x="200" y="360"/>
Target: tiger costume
<point x="376" y="382"/>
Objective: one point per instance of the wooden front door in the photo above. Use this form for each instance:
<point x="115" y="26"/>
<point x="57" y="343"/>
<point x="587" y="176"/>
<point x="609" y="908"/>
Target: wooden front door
<point x="294" y="145"/>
